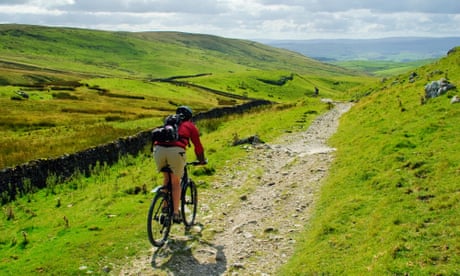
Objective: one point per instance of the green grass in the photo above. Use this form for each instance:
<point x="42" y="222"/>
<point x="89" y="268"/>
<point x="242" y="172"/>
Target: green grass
<point x="389" y="204"/>
<point x="91" y="87"/>
<point x="92" y="222"/>
<point x="256" y="84"/>
<point x="145" y="54"/>
<point x="104" y="222"/>
<point x="44" y="125"/>
<point x="383" y="68"/>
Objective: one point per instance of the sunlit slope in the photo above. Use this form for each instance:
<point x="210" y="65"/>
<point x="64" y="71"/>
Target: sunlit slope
<point x="145" y="54"/>
<point x="390" y="205"/>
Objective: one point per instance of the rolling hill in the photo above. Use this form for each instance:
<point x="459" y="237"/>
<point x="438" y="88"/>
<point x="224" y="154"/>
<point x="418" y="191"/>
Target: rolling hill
<point x="388" y="207"/>
<point x="143" y="55"/>
<point x="112" y="83"/>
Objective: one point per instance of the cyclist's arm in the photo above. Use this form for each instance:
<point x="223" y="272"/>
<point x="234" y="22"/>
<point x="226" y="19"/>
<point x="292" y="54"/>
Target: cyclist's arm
<point x="198" y="147"/>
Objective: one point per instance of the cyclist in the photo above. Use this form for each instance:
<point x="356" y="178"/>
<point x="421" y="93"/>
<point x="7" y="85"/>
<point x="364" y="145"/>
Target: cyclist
<point x="172" y="154"/>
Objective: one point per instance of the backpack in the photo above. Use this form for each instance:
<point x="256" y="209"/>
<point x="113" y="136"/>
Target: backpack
<point x="169" y="132"/>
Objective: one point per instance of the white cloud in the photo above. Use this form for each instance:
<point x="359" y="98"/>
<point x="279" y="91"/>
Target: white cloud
<point x="253" y="19"/>
<point x="7" y="11"/>
<point x="50" y="3"/>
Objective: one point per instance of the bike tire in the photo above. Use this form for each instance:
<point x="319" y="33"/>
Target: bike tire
<point x="159" y="222"/>
<point x="189" y="203"/>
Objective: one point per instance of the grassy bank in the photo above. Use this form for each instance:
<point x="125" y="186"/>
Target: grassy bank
<point x="389" y="206"/>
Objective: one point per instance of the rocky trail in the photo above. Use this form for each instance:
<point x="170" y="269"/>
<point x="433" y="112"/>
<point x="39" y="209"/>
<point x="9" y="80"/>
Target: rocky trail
<point x="255" y="233"/>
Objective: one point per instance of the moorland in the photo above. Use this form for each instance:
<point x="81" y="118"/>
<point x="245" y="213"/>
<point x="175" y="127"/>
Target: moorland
<point x="388" y="206"/>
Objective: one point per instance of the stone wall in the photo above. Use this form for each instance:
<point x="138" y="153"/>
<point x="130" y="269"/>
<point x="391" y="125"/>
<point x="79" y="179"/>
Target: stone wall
<point x="34" y="174"/>
<point x="224" y="111"/>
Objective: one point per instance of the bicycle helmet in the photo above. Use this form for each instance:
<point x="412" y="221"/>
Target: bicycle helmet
<point x="185" y="112"/>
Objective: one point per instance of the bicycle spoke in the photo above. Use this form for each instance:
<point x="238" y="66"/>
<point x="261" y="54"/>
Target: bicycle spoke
<point x="159" y="220"/>
<point x="189" y="203"/>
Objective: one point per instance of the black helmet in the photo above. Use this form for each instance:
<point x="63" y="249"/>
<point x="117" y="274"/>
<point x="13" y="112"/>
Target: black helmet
<point x="185" y="111"/>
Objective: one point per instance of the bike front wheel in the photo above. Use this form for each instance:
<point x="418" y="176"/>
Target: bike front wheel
<point x="159" y="219"/>
<point x="189" y="203"/>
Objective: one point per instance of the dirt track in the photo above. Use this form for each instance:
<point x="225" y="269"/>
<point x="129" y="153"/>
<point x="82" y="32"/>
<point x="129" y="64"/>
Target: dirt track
<point x="255" y="234"/>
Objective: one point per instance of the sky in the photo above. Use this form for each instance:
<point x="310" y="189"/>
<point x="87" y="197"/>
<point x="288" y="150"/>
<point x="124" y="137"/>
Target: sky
<point x="247" y="19"/>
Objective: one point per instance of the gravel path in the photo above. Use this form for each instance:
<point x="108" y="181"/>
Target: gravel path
<point x="253" y="232"/>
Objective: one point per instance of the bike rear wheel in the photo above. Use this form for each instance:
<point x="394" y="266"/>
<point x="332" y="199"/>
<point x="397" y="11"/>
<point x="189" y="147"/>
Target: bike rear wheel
<point x="159" y="219"/>
<point x="189" y="202"/>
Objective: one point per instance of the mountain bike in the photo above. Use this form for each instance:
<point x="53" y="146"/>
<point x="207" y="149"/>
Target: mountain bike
<point x="160" y="215"/>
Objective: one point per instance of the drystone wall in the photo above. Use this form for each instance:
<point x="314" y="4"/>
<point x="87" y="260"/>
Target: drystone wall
<point x="33" y="175"/>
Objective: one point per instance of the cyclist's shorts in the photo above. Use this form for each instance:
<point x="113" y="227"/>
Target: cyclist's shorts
<point x="174" y="157"/>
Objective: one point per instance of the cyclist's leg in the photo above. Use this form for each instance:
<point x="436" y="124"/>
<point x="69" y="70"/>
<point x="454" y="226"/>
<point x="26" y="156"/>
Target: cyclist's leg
<point x="176" y="192"/>
<point x="176" y="161"/>
<point x="165" y="183"/>
<point x="165" y="178"/>
<point x="160" y="155"/>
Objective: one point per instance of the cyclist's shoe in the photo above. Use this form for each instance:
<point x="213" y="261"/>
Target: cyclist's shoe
<point x="177" y="218"/>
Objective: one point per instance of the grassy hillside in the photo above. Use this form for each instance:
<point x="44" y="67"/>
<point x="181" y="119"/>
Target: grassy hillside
<point x="145" y="54"/>
<point x="89" y="87"/>
<point x="390" y="205"/>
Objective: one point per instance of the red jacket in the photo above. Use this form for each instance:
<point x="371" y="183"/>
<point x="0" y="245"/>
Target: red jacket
<point x="187" y="131"/>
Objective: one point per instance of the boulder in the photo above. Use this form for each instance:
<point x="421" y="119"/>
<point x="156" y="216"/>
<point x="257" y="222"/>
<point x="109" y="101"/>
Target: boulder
<point x="437" y="88"/>
<point x="455" y="99"/>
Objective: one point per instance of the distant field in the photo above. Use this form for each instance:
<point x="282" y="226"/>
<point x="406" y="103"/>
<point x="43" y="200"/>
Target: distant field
<point x="55" y="121"/>
<point x="58" y="119"/>
<point x="399" y="49"/>
<point x="382" y="68"/>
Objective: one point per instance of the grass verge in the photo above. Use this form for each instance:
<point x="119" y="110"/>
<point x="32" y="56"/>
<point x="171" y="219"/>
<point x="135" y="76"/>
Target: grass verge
<point x="389" y="204"/>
